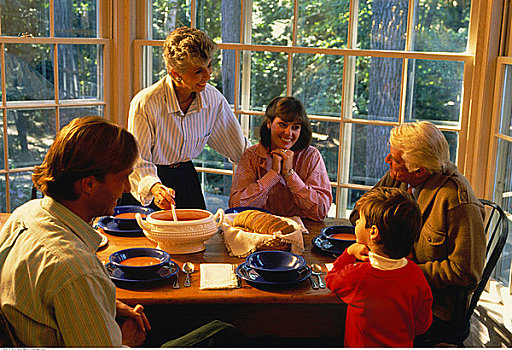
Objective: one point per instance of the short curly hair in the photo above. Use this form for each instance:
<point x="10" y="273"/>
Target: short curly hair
<point x="422" y="145"/>
<point x="186" y="46"/>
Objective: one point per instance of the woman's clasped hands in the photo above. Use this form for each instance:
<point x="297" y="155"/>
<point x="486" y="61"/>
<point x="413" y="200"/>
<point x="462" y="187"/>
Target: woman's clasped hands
<point x="282" y="160"/>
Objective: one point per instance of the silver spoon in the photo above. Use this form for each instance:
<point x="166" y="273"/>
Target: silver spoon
<point x="188" y="268"/>
<point x="317" y="270"/>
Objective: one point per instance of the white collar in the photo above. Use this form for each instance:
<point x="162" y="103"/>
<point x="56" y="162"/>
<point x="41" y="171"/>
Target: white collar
<point x="383" y="263"/>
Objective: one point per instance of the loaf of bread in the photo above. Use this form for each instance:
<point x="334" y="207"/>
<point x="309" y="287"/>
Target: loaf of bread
<point x="260" y="222"/>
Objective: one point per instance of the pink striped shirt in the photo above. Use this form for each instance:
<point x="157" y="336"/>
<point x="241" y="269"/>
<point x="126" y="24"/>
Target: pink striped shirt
<point x="307" y="193"/>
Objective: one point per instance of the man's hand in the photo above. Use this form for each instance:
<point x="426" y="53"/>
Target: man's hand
<point x="135" y="324"/>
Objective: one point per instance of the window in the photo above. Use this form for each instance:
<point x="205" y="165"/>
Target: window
<point x="359" y="67"/>
<point x="52" y="70"/>
<point x="502" y="157"/>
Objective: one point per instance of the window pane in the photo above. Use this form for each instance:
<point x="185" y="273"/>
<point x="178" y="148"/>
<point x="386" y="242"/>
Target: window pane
<point x="67" y="114"/>
<point x="323" y="23"/>
<point x="209" y="158"/>
<point x="317" y="83"/>
<point x="156" y="68"/>
<point x="442" y="25"/>
<point x="224" y="74"/>
<point x="453" y="143"/>
<point x="332" y="209"/>
<point x="169" y="15"/>
<point x="254" y="128"/>
<point x="503" y="197"/>
<point x="272" y="22"/>
<point x="367" y="153"/>
<point x="21" y="188"/>
<point x="30" y="134"/>
<point x="29" y="72"/>
<point x="377" y="89"/>
<point x="349" y="197"/>
<point x="3" y="197"/>
<point x="216" y="190"/>
<point x="80" y="72"/>
<point x="76" y="19"/>
<point x="434" y="91"/>
<point x="326" y="137"/>
<point x="2" y="159"/>
<point x="382" y="24"/>
<point x="506" y="103"/>
<point x="31" y="17"/>
<point x="220" y="19"/>
<point x="268" y="77"/>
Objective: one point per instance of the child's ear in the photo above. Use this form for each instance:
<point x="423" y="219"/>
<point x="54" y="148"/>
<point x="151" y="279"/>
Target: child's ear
<point x="374" y="233"/>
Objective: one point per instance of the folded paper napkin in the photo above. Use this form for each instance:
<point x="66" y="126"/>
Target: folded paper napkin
<point x="217" y="276"/>
<point x="241" y="243"/>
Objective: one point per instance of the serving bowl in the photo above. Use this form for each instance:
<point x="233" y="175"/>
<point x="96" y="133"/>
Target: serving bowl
<point x="341" y="236"/>
<point x="187" y="235"/>
<point x="139" y="262"/>
<point x="275" y="265"/>
<point x="124" y="216"/>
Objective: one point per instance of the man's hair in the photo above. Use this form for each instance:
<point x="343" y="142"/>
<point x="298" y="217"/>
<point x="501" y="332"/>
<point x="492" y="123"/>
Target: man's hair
<point x="397" y="216"/>
<point x="186" y="46"/>
<point x="422" y="145"/>
<point x="289" y="109"/>
<point x="88" y="146"/>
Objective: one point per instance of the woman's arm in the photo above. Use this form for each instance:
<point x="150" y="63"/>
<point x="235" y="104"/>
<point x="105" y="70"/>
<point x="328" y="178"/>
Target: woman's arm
<point x="310" y="186"/>
<point x="247" y="189"/>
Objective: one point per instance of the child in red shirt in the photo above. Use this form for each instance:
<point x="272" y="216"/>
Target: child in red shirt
<point x="389" y="300"/>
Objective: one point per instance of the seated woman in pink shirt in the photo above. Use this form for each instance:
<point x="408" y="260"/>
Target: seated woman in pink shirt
<point x="283" y="173"/>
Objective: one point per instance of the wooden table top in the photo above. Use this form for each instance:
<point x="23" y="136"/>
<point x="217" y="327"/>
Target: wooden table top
<point x="216" y="252"/>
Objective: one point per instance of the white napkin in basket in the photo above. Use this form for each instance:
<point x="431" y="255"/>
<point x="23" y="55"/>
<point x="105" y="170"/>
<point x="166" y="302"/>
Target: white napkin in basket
<point x="241" y="243"/>
<point x="217" y="276"/>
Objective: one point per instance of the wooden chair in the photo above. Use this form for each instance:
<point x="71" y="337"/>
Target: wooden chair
<point x="496" y="228"/>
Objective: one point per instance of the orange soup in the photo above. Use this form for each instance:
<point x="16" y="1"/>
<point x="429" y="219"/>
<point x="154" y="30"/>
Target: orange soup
<point x="140" y="261"/>
<point x="344" y="236"/>
<point x="128" y="215"/>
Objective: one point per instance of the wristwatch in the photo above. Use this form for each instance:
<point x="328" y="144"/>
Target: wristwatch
<point x="291" y="171"/>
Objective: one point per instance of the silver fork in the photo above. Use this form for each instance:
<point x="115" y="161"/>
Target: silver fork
<point x="176" y="284"/>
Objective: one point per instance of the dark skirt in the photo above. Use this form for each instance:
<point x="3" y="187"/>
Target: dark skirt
<point x="183" y="179"/>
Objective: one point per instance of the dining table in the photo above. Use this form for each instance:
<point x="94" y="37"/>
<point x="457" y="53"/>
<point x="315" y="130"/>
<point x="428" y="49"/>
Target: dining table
<point x="294" y="311"/>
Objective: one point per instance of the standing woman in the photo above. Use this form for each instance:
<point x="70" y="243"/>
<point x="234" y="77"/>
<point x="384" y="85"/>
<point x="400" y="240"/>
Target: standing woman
<point x="173" y="119"/>
<point x="283" y="173"/>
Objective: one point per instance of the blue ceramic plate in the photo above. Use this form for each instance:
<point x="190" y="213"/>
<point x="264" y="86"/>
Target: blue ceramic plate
<point x="325" y="246"/>
<point x="118" y="276"/>
<point x="275" y="265"/>
<point x="126" y="223"/>
<point x="132" y="271"/>
<point x="251" y="276"/>
<point x="237" y="210"/>
<point x="109" y="226"/>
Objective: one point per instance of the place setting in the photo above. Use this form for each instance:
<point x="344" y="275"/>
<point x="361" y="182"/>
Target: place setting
<point x="123" y="222"/>
<point x="140" y="267"/>
<point x="333" y="240"/>
<point x="273" y="268"/>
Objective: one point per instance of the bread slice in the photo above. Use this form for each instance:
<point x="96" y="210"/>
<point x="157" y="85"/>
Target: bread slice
<point x="282" y="226"/>
<point x="240" y="218"/>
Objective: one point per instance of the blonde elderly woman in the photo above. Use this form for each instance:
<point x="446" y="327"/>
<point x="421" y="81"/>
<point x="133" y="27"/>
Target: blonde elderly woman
<point x="174" y="119"/>
<point x="451" y="246"/>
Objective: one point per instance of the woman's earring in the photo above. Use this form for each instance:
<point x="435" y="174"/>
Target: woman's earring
<point x="178" y="79"/>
